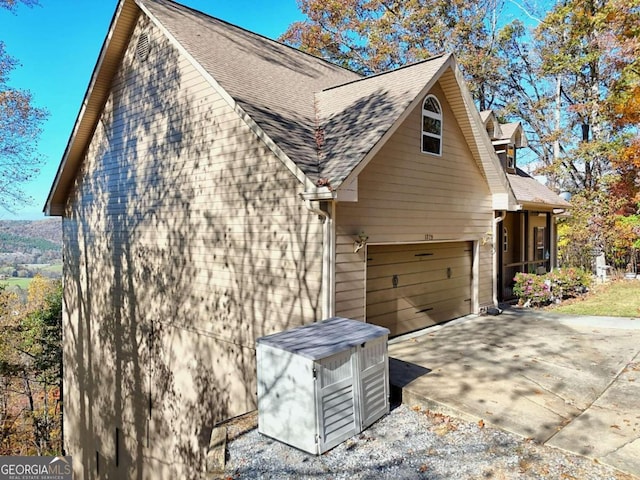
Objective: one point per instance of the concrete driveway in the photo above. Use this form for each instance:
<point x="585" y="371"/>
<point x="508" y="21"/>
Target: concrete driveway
<point x="568" y="382"/>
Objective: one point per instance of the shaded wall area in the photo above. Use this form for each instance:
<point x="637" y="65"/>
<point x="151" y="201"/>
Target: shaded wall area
<point x="185" y="240"/>
<point x="527" y="244"/>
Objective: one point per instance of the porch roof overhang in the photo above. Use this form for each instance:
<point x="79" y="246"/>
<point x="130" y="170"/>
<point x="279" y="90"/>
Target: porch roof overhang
<point x="533" y="195"/>
<point x="544" y="207"/>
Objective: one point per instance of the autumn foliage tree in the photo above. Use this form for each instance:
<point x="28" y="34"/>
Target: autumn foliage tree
<point x="569" y="72"/>
<point x="593" y="47"/>
<point x="622" y="18"/>
<point x="571" y="52"/>
<point x="30" y="369"/>
<point x="20" y="124"/>
<point x="372" y="36"/>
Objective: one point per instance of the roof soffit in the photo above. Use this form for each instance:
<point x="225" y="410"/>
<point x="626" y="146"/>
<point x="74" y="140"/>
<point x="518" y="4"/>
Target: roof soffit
<point x="109" y="59"/>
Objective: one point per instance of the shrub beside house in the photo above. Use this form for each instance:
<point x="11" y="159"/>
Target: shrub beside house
<point x="534" y="290"/>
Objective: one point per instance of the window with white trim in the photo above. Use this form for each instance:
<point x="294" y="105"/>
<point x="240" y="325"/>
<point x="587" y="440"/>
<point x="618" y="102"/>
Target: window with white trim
<point x="431" y="126"/>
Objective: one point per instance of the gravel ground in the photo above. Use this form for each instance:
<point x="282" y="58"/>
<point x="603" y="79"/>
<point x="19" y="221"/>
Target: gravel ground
<point x="409" y="443"/>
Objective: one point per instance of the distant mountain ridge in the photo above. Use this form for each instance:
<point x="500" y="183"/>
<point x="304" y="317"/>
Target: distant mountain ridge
<point x="25" y="236"/>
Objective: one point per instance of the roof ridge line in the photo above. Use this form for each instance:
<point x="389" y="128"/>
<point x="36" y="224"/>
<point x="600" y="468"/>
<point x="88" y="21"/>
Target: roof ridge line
<point x="250" y="32"/>
<point x="379" y="74"/>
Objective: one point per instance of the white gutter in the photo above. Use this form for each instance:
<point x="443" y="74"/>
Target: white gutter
<point x="328" y="255"/>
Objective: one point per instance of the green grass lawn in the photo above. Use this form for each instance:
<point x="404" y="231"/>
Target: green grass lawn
<point x="54" y="268"/>
<point x="615" y="299"/>
<point x="22" y="283"/>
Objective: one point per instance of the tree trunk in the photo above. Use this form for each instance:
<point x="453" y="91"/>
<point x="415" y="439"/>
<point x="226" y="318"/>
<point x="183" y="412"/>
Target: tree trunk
<point x="34" y="421"/>
<point x="4" y="412"/>
<point x="558" y="126"/>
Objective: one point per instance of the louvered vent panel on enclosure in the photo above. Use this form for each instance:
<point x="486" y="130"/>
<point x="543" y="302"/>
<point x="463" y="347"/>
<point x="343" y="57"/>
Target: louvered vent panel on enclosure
<point x="374" y="384"/>
<point x="337" y="402"/>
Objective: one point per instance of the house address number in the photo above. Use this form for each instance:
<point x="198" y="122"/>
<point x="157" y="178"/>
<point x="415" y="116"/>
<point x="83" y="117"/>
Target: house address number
<point x="428" y="236"/>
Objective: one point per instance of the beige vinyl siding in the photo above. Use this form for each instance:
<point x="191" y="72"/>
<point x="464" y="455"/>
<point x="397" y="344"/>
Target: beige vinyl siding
<point x="185" y="240"/>
<point x="405" y="196"/>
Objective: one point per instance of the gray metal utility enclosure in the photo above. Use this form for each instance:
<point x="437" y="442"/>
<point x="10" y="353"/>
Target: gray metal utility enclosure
<point x="322" y="383"/>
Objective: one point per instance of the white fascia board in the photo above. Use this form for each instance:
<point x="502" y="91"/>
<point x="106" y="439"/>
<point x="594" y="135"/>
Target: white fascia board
<point x="319" y="193"/>
<point x="502" y="201"/>
<point x="348" y="192"/>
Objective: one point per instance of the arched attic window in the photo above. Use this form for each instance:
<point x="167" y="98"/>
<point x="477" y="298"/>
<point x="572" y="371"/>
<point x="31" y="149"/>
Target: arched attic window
<point x="431" y="126"/>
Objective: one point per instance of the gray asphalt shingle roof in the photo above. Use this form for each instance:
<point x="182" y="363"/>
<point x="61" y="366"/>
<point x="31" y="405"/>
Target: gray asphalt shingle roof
<point x="274" y="83"/>
<point x="323" y="117"/>
<point x="291" y="95"/>
<point x="508" y="130"/>
<point x="356" y="115"/>
<point x="530" y="191"/>
<point x="321" y="120"/>
<point x="526" y="189"/>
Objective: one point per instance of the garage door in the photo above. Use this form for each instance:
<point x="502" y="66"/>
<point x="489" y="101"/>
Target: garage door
<point x="413" y="286"/>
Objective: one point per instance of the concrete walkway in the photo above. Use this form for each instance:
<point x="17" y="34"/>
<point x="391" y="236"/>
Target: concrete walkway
<point x="569" y="382"/>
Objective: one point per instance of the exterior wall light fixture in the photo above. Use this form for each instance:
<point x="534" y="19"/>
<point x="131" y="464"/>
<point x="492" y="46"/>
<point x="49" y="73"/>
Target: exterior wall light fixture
<point x="360" y="242"/>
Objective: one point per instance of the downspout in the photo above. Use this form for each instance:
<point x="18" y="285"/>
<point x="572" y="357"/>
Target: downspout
<point x="328" y="250"/>
<point x="496" y="266"/>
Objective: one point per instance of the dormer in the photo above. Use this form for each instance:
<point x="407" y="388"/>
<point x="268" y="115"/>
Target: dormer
<point x="505" y="137"/>
<point x="491" y="124"/>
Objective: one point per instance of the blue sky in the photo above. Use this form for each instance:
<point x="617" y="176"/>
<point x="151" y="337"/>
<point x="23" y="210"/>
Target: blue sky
<point x="58" y="44"/>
